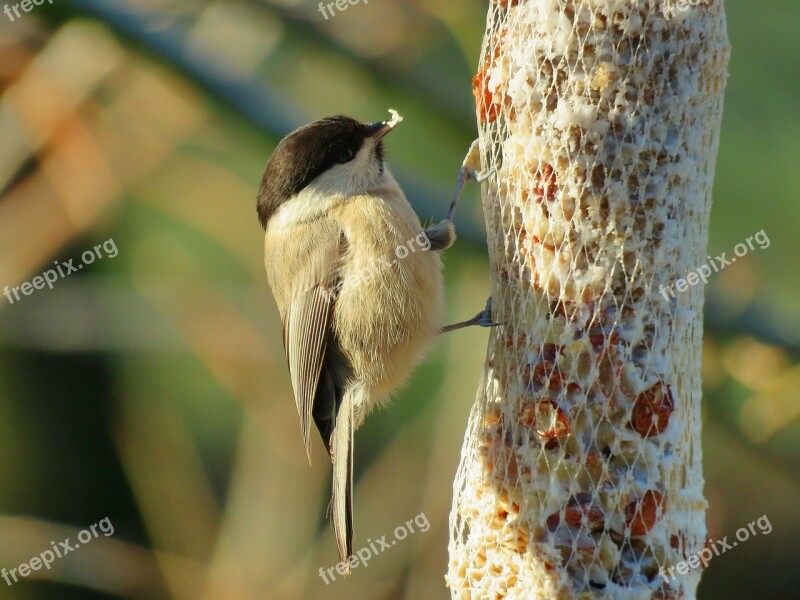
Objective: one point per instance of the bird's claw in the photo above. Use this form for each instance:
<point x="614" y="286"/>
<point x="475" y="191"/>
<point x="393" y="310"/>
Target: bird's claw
<point x="470" y="170"/>
<point x="484" y="318"/>
<point x="480" y="177"/>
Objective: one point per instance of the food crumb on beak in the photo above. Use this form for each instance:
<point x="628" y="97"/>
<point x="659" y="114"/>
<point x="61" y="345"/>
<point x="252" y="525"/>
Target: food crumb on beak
<point x="396" y="118"/>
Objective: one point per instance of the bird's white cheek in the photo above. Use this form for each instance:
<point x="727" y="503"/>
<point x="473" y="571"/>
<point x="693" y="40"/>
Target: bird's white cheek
<point x="306" y="206"/>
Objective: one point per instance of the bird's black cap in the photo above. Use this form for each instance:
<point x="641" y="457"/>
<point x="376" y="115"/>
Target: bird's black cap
<point x="309" y="151"/>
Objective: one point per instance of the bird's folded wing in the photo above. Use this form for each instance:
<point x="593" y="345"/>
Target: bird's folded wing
<point x="307" y="327"/>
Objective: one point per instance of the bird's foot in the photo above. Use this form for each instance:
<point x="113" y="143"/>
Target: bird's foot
<point x="482" y="319"/>
<point x="470" y="170"/>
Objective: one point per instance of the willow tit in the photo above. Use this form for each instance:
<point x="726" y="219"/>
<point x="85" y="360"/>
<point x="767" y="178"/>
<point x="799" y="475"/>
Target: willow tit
<point x="357" y="281"/>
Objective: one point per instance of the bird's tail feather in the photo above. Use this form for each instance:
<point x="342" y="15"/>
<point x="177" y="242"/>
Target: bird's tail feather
<point x="343" y="480"/>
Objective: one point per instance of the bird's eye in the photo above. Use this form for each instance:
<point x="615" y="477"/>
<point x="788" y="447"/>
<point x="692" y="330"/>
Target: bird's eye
<point x="344" y="155"/>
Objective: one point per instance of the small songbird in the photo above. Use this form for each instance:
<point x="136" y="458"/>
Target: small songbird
<point x="357" y="281"/>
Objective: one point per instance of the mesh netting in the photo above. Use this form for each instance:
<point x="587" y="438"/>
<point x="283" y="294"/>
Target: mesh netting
<point x="581" y="473"/>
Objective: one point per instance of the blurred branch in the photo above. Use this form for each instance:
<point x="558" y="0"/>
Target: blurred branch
<point x="104" y="564"/>
<point x="436" y="91"/>
<point x="757" y="320"/>
<point x="273" y="114"/>
<point x="87" y="151"/>
<point x="253" y="101"/>
<point x="168" y="39"/>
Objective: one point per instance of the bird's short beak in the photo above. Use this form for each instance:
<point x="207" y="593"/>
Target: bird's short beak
<point x="380" y="129"/>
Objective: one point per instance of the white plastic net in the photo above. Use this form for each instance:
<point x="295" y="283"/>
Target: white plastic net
<point x="581" y="471"/>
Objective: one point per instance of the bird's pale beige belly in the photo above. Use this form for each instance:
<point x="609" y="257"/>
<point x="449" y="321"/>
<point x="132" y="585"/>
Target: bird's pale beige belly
<point x="390" y="306"/>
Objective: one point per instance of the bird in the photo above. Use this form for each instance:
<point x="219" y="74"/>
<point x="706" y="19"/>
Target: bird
<point x="357" y="281"/>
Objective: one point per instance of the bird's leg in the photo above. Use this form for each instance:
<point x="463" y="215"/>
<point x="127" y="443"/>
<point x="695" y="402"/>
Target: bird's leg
<point x="443" y="234"/>
<point x="470" y="169"/>
<point x="482" y="319"/>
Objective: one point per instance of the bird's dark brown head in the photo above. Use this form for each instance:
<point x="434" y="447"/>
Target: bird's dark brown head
<point x="308" y="152"/>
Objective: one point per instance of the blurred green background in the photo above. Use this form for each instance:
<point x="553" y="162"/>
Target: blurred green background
<point x="151" y="388"/>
